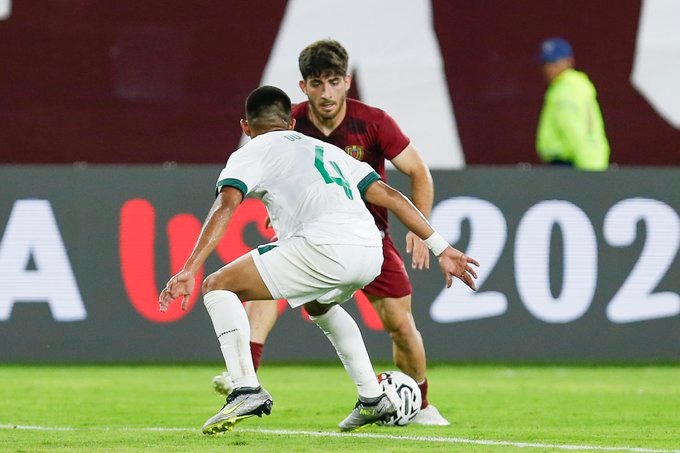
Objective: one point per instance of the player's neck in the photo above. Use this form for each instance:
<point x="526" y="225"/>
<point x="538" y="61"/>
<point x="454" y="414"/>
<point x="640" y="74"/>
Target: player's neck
<point x="255" y="134"/>
<point x="327" y="125"/>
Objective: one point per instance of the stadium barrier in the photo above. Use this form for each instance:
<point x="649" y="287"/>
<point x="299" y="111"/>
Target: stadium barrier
<point x="575" y="267"/>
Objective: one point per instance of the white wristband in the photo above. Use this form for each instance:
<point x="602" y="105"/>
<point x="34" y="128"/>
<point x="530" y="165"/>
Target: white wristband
<point x="436" y="243"/>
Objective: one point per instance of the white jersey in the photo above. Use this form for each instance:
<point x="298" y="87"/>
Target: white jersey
<point x="311" y="189"/>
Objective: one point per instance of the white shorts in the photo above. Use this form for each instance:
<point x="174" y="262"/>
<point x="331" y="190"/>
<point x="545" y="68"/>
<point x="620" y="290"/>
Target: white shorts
<point x="300" y="272"/>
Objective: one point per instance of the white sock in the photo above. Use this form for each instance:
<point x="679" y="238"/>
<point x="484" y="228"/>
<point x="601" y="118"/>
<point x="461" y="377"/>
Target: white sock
<point x="344" y="334"/>
<point x="233" y="332"/>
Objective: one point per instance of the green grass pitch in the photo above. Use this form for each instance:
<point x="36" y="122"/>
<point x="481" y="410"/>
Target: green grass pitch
<point x="491" y="407"/>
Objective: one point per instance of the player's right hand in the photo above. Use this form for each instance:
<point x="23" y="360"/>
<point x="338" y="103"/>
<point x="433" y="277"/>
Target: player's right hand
<point x="181" y="284"/>
<point x="420" y="254"/>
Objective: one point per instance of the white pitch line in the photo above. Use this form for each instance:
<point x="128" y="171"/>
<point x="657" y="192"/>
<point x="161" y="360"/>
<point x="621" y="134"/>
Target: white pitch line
<point x="38" y="428"/>
<point x="458" y="440"/>
<point x="449" y="440"/>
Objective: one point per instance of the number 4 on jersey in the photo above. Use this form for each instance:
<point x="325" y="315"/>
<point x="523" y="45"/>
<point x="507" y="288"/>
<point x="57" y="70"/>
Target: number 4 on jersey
<point x="339" y="180"/>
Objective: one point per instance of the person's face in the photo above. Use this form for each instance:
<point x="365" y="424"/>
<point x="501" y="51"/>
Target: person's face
<point x="549" y="71"/>
<point x="552" y="70"/>
<point x="327" y="94"/>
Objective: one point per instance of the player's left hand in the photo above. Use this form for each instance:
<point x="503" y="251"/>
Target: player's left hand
<point x="420" y="254"/>
<point x="454" y="263"/>
<point x="181" y="284"/>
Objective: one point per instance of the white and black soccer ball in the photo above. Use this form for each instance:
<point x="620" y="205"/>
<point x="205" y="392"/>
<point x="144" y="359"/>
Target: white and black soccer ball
<point x="409" y="396"/>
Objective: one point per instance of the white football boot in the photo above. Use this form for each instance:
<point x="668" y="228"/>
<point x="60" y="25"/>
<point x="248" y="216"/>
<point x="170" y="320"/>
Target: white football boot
<point x="222" y="384"/>
<point x="430" y="416"/>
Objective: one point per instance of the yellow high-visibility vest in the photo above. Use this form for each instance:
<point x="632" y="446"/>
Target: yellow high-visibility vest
<point x="571" y="128"/>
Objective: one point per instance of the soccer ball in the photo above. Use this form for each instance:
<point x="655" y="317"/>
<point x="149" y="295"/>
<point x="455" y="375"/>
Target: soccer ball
<point x="409" y="396"/>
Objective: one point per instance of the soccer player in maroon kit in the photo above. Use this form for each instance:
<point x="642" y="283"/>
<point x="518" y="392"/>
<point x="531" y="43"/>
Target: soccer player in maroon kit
<point x="371" y="135"/>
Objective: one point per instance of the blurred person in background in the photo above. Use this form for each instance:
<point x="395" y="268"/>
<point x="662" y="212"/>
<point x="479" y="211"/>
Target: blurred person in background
<point x="571" y="128"/>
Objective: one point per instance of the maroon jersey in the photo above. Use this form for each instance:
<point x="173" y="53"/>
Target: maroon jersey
<point x="370" y="135"/>
<point x="367" y="134"/>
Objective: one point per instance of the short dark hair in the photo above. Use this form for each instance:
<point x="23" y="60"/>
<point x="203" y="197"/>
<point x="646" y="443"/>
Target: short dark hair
<point x="268" y="104"/>
<point x="324" y="57"/>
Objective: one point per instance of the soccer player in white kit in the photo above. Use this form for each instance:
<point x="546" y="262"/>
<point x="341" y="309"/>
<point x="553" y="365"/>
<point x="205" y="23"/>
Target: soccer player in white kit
<point x="328" y="247"/>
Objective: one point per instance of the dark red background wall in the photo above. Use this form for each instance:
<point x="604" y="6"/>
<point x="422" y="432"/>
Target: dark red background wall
<point x="156" y="81"/>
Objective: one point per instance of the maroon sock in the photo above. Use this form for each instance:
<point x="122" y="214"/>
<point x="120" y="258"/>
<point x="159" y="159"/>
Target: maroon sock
<point x="256" y="353"/>
<point x="423" y="392"/>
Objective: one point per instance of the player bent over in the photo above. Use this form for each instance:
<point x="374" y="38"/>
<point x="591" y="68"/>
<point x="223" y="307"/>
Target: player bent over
<point x="328" y="246"/>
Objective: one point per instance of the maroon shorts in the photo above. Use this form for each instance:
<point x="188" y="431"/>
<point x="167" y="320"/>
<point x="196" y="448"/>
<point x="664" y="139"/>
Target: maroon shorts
<point x="393" y="280"/>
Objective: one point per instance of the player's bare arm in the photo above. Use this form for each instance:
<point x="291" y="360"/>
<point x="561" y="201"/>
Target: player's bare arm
<point x="221" y="212"/>
<point x="412" y="165"/>
<point x="452" y="262"/>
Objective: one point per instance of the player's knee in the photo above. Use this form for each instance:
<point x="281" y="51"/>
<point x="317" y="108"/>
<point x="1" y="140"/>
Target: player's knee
<point x="400" y="327"/>
<point x="210" y="283"/>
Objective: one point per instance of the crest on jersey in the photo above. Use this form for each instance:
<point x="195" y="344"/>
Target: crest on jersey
<point x="356" y="151"/>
